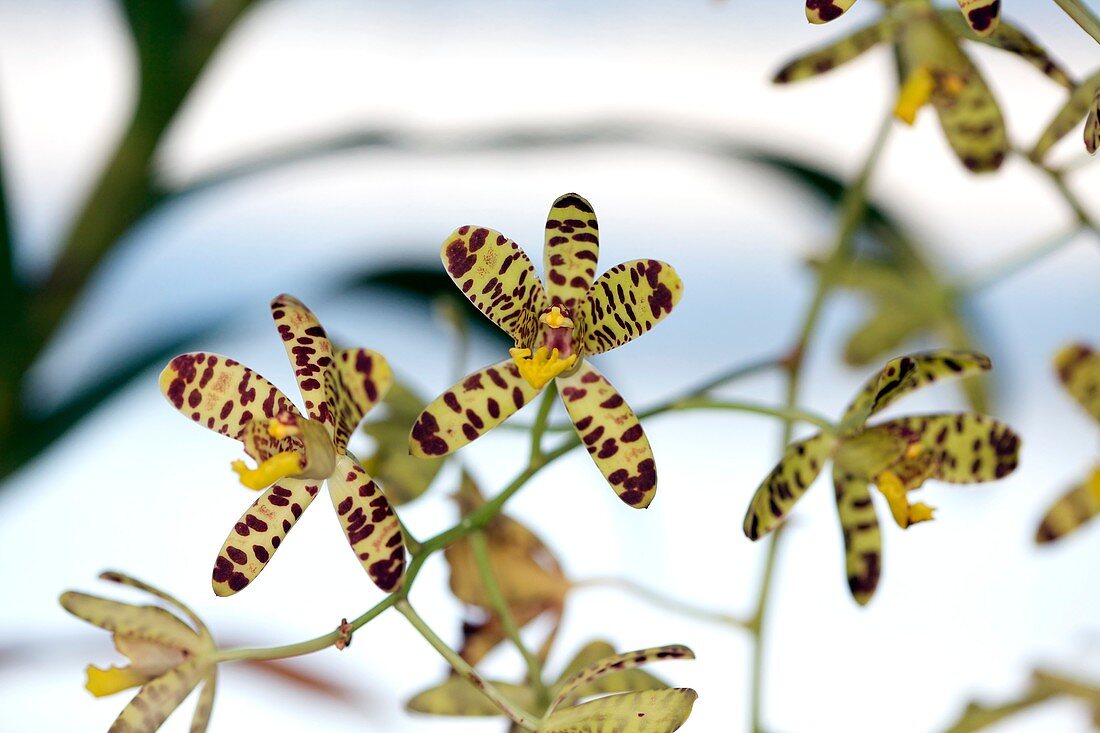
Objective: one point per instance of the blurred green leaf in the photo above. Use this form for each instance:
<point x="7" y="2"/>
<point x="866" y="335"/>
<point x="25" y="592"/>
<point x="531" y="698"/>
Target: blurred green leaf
<point x="404" y="477"/>
<point x="457" y="696"/>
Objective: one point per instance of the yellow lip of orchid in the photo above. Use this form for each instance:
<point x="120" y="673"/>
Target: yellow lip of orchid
<point x="543" y="366"/>
<point x="905" y="514"/>
<point x="554" y="318"/>
<point x="914" y="94"/>
<point x="103" y="682"/>
<point x="277" y="467"/>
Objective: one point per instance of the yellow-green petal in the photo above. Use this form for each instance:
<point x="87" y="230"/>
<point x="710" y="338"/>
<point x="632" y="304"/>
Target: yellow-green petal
<point x="618" y="663"/>
<point x="612" y="435"/>
<point x="652" y="711"/>
<point x="627" y="301"/>
<point x="905" y="374"/>
<point x="1071" y="511"/>
<point x="862" y="538"/>
<point x="983" y="16"/>
<point x="1078" y="368"/>
<point x="822" y="11"/>
<point x="369" y="523"/>
<point x="1081" y="103"/>
<point x="310" y="353"/>
<point x="259" y="533"/>
<point x="201" y="719"/>
<point x="964" y="447"/>
<point x="151" y="623"/>
<point x="571" y="251"/>
<point x="220" y="393"/>
<point x="801" y="463"/>
<point x="359" y="379"/>
<point x="1008" y="37"/>
<point x="627" y="680"/>
<point x="471" y="408"/>
<point x="498" y="278"/>
<point x="158" y="698"/>
<point x="457" y="696"/>
<point x="835" y="54"/>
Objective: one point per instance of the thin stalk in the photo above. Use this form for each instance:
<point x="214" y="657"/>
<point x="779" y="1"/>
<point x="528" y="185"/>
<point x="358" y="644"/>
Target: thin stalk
<point x="675" y="605"/>
<point x="787" y="414"/>
<point x="480" y="548"/>
<point x="1082" y="16"/>
<point x="517" y="715"/>
<point x="1017" y="262"/>
<point x="539" y="428"/>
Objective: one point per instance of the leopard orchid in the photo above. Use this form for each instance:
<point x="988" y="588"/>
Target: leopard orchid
<point x="555" y="329"/>
<point x="295" y="453"/>
<point x="896" y="456"/>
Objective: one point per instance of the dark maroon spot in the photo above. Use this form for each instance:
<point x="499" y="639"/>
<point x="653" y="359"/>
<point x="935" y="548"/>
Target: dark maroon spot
<point x="256" y="523"/>
<point x="237" y="555"/>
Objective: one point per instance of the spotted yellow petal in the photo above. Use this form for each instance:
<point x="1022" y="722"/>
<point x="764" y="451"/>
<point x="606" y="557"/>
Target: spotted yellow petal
<point x="158" y="698"/>
<point x="1072" y="510"/>
<point x="150" y="623"/>
<point x="497" y="277"/>
<point x="964" y="447"/>
<point x="1008" y="37"/>
<point x="254" y="539"/>
<point x="626" y="301"/>
<point x="113" y="576"/>
<point x="627" y="680"/>
<point x="369" y="523"/>
<point x="835" y="54"/>
<point x="612" y="435"/>
<point x="801" y="463"/>
<point x="968" y="113"/>
<point x="309" y="351"/>
<point x="617" y="663"/>
<point x="652" y="711"/>
<point x="862" y="538"/>
<point x="822" y="11"/>
<point x="983" y="16"/>
<point x="205" y="706"/>
<point x="220" y="393"/>
<point x="355" y="384"/>
<point x="571" y="250"/>
<point x="1078" y="368"/>
<point x="1080" y="105"/>
<point x="457" y="696"/>
<point x="477" y="404"/>
<point x="905" y="374"/>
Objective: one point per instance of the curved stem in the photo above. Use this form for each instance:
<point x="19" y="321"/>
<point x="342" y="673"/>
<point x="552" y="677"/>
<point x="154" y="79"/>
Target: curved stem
<point x="1020" y="261"/>
<point x="668" y="603"/>
<point x="1082" y="16"/>
<point x="520" y="717"/>
<point x="539" y="428"/>
<point x="480" y="548"/>
<point x="788" y="414"/>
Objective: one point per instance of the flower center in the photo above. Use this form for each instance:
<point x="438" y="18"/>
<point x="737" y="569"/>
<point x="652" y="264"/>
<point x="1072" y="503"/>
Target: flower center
<point x="285" y="447"/>
<point x="556" y="353"/>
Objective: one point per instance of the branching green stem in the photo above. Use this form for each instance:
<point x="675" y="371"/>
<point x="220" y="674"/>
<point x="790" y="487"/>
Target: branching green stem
<point x="675" y="605"/>
<point x="787" y="414"/>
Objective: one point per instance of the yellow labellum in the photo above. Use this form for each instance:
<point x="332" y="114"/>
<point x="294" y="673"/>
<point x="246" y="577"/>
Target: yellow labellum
<point x="103" y="682"/>
<point x="914" y="94"/>
<point x="543" y="366"/>
<point x="890" y="486"/>
<point x="278" y="466"/>
<point x="556" y="319"/>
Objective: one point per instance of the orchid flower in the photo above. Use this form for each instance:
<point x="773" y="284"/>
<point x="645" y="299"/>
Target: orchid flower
<point x="555" y="329"/>
<point x="897" y="456"/>
<point x="294" y="453"/>
<point x="168" y="657"/>
<point x="1078" y="369"/>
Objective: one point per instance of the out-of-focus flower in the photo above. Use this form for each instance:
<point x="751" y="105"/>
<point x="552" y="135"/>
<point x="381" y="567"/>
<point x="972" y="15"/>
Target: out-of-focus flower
<point x="530" y="578"/>
<point x="168" y="657"/>
<point x="935" y="70"/>
<point x="1083" y="102"/>
<point x="637" y="701"/>
<point x="555" y="329"/>
<point x="983" y="16"/>
<point x="294" y="453"/>
<point x="1078" y="368"/>
<point x="897" y="456"/>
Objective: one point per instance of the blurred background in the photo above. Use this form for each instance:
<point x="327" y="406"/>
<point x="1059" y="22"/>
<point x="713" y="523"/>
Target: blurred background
<point x="326" y="150"/>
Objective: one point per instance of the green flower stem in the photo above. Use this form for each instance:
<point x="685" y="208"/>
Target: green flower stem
<point x="520" y="717"/>
<point x="539" y="428"/>
<point x="1082" y="16"/>
<point x="1018" y="262"/>
<point x="787" y="414"/>
<point x="852" y="207"/>
<point x="480" y="548"/>
<point x="675" y="605"/>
